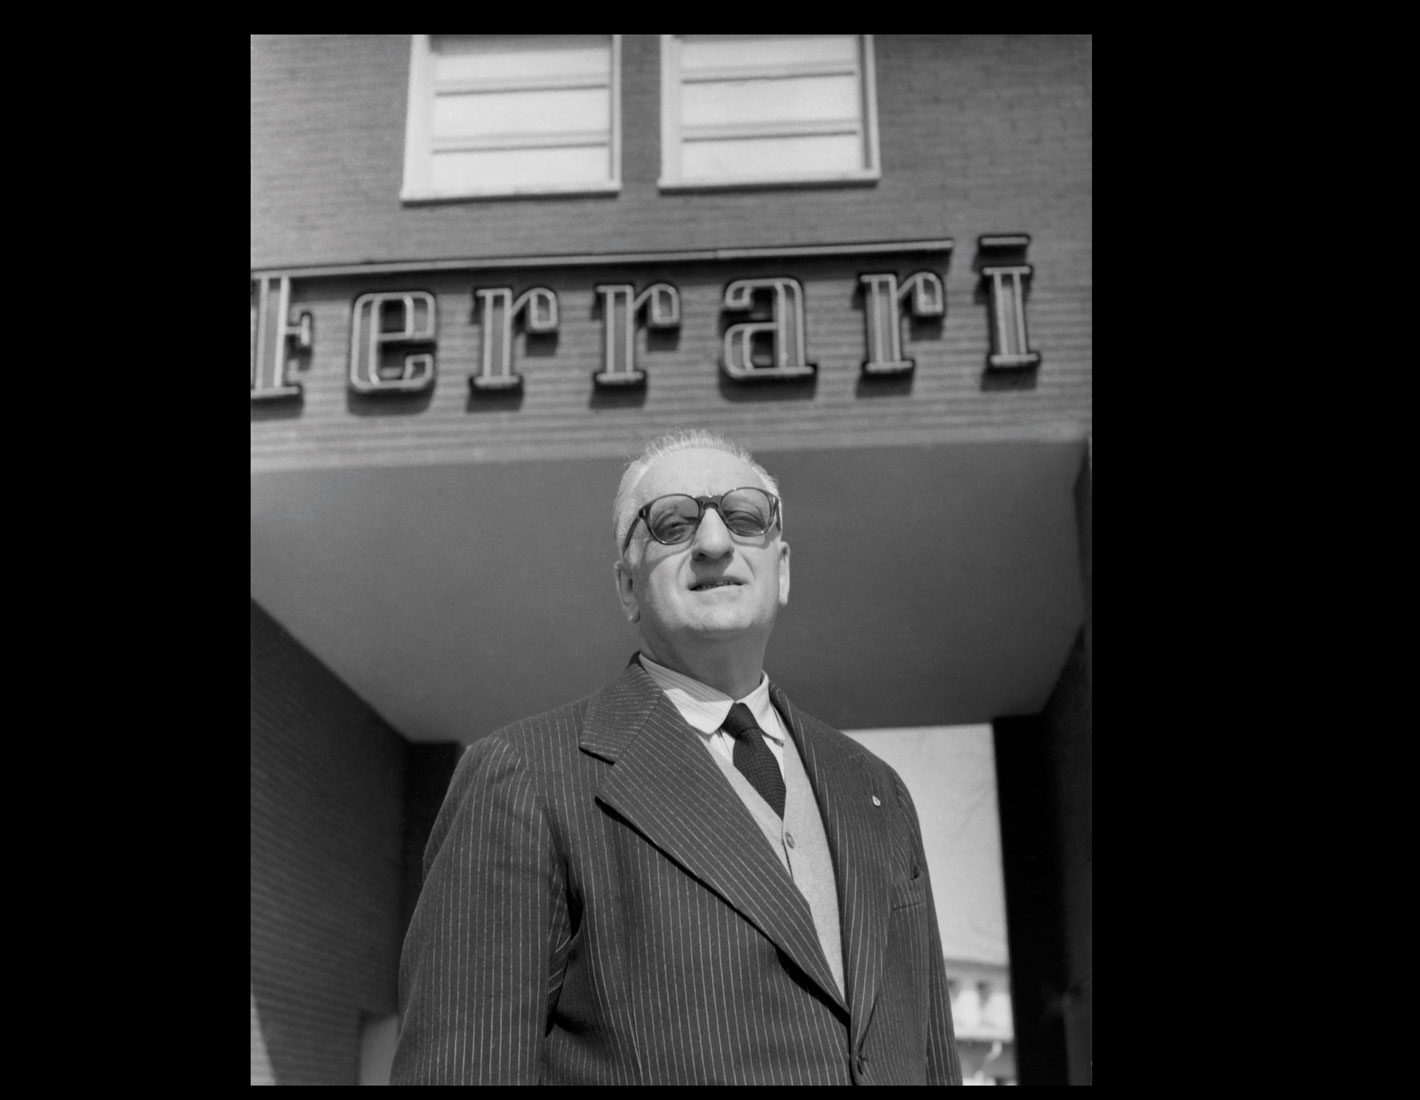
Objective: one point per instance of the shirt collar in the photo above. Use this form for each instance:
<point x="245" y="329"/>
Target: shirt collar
<point x="705" y="707"/>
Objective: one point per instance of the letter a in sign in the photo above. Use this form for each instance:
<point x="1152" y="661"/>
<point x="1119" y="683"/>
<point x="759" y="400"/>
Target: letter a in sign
<point x="784" y="330"/>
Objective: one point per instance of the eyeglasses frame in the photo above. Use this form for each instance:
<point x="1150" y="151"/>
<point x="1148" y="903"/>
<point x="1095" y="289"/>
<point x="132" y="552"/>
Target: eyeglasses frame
<point x="703" y="503"/>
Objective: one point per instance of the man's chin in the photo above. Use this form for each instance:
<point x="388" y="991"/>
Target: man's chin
<point x="726" y="624"/>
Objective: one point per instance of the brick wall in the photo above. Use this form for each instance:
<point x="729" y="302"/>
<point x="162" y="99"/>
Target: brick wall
<point x="327" y="795"/>
<point x="978" y="134"/>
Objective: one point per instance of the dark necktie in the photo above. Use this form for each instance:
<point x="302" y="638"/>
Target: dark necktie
<point x="753" y="758"/>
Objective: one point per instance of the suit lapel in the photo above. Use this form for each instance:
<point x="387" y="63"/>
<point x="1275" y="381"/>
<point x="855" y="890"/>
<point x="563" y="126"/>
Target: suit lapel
<point x="664" y="784"/>
<point x="859" y="844"/>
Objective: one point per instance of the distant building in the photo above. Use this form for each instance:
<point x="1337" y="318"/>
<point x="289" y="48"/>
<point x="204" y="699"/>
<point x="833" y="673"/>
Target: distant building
<point x="981" y="1013"/>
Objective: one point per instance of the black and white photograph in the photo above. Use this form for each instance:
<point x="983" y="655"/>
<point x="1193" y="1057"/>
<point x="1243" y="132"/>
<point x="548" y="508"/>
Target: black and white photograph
<point x="671" y="505"/>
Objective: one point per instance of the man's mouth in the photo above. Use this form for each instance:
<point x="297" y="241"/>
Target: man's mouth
<point x="717" y="582"/>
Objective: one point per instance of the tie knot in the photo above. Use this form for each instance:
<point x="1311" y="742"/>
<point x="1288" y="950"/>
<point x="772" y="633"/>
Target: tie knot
<point x="740" y="721"/>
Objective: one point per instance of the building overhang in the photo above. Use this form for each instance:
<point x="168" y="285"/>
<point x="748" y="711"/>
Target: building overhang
<point x="932" y="584"/>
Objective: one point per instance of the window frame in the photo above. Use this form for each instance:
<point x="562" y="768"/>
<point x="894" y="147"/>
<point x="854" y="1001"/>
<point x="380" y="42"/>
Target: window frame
<point x="417" y="186"/>
<point x="671" y="138"/>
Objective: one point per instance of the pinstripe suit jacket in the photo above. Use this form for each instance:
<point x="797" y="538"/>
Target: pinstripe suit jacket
<point x="599" y="907"/>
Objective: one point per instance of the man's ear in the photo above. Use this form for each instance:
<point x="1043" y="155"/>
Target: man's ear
<point x="626" y="592"/>
<point x="783" y="574"/>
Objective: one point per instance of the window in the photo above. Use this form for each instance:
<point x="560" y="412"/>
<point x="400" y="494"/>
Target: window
<point x="747" y="109"/>
<point x="512" y="114"/>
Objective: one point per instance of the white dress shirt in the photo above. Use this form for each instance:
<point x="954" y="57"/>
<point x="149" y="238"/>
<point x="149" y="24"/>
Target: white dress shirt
<point x="706" y="709"/>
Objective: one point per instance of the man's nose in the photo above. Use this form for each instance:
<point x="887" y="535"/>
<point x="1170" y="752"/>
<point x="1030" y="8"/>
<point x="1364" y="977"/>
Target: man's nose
<point x="712" y="537"/>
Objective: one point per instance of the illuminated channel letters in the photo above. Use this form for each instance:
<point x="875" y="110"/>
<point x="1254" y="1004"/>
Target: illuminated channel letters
<point x="882" y="308"/>
<point x="497" y="308"/>
<point x="274" y="332"/>
<point x="620" y="305"/>
<point x="1010" y="347"/>
<point x="785" y="330"/>
<point x="384" y="330"/>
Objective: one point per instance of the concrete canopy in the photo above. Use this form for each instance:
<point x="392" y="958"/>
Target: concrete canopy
<point x="932" y="585"/>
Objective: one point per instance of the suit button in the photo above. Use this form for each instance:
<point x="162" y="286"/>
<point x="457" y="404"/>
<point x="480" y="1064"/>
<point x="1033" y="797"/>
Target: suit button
<point x="862" y="1064"/>
<point x="789" y="839"/>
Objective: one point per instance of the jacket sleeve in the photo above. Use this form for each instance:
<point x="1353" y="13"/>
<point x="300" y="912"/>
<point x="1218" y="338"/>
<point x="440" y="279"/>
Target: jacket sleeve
<point x="474" y="973"/>
<point x="943" y="1061"/>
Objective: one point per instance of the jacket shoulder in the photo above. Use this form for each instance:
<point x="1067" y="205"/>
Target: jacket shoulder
<point x="537" y="740"/>
<point x="559" y="722"/>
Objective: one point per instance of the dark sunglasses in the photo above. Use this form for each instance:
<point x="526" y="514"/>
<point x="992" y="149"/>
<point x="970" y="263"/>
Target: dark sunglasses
<point x="674" y="518"/>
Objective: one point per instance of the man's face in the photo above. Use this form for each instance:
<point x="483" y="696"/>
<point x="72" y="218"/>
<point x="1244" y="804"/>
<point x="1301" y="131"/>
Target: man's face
<point x="716" y="587"/>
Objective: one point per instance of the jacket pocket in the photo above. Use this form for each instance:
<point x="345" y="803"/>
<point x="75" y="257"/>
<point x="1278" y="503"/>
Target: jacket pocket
<point x="910" y="893"/>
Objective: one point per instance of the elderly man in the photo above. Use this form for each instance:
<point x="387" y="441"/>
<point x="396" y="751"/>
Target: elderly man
<point x="683" y="878"/>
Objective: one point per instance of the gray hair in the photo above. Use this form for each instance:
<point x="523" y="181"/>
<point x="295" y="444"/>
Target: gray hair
<point x="623" y="513"/>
